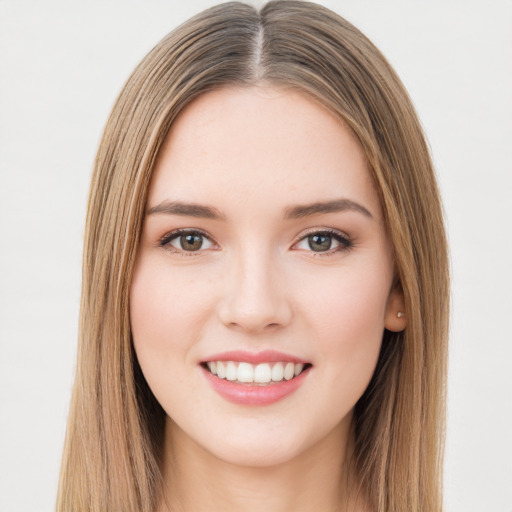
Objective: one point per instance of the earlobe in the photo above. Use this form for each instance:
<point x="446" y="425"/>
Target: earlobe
<point x="396" y="318"/>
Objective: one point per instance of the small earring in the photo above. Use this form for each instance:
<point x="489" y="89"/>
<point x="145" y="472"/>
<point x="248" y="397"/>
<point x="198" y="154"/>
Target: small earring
<point x="400" y="314"/>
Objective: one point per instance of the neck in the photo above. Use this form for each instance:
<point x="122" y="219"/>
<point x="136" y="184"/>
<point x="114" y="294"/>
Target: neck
<point x="317" y="479"/>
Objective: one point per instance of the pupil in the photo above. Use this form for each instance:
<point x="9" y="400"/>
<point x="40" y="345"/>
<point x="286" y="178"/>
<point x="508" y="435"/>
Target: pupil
<point x="191" y="242"/>
<point x="319" y="242"/>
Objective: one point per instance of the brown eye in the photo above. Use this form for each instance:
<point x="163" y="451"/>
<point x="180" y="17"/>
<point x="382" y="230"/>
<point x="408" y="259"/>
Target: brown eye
<point x="329" y="242"/>
<point x="319" y="242"/>
<point x="192" y="242"/>
<point x="186" y="242"/>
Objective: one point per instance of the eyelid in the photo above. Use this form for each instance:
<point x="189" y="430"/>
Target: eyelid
<point x="344" y="240"/>
<point x="165" y="241"/>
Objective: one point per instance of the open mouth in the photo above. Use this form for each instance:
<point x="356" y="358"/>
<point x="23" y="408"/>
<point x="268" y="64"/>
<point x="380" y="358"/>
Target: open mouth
<point x="262" y="374"/>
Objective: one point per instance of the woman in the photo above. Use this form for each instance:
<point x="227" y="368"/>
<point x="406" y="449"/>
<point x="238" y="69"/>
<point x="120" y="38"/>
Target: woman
<point x="265" y="291"/>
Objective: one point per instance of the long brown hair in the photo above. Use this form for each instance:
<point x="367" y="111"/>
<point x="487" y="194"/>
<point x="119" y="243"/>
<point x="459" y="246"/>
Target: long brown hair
<point x="115" y="428"/>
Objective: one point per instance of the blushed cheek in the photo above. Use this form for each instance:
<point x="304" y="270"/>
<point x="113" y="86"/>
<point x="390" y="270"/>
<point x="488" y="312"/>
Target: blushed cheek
<point x="151" y="317"/>
<point x="155" y="331"/>
<point x="164" y="309"/>
<point x="347" y="301"/>
<point x="349" y="322"/>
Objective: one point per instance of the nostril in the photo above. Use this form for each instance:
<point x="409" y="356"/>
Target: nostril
<point x="252" y="319"/>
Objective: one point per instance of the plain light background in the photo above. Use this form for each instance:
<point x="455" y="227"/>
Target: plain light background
<point x="62" y="63"/>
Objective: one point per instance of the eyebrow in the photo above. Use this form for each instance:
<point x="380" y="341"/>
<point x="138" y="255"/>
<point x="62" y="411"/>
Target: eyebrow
<point x="186" y="209"/>
<point x="337" y="205"/>
<point x="292" y="212"/>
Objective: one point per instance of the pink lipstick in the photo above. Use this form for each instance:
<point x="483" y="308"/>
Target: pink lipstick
<point x="249" y="378"/>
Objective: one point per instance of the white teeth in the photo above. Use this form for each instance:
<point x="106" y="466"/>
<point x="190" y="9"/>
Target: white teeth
<point x="289" y="371"/>
<point x="231" y="371"/>
<point x="212" y="366"/>
<point x="245" y="372"/>
<point x="262" y="373"/>
<point x="277" y="372"/>
<point x="221" y="370"/>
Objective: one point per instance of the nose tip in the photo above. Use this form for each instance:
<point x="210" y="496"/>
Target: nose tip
<point x="252" y="319"/>
<point x="255" y="302"/>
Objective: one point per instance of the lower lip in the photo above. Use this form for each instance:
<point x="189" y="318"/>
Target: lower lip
<point x="246" y="394"/>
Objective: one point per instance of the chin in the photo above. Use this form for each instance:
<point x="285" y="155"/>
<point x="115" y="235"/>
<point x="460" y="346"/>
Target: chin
<point x="256" y="453"/>
<point x="254" y="442"/>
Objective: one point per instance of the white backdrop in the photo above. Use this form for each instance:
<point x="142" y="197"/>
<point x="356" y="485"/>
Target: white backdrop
<point x="62" y="63"/>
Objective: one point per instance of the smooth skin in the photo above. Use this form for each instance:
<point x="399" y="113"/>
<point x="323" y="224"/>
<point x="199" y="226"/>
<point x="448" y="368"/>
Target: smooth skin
<point x="252" y="274"/>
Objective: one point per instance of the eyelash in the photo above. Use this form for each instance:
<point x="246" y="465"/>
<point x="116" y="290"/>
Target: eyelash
<point x="344" y="240"/>
<point x="165" y="241"/>
<point x="346" y="243"/>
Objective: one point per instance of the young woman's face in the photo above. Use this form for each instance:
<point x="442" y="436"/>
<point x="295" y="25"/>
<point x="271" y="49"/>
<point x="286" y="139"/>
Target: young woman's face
<point x="263" y="256"/>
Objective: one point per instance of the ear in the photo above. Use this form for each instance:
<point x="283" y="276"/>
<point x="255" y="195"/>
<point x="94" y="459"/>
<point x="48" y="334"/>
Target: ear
<point x="396" y="318"/>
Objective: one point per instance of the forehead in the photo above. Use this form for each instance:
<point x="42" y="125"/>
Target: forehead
<point x="269" y="144"/>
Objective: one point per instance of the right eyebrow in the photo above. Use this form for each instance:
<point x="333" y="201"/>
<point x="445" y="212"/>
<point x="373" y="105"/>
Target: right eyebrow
<point x="187" y="210"/>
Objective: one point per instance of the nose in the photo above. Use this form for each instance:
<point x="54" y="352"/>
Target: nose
<point x="255" y="297"/>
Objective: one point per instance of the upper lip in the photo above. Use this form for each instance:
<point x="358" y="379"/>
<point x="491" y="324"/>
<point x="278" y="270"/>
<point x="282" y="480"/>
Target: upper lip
<point x="265" y="356"/>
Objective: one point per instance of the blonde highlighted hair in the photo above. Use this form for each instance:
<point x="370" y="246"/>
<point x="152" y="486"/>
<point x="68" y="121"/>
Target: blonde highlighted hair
<point x="115" y="428"/>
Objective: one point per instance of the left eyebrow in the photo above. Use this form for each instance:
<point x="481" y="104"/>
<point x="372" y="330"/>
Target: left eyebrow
<point x="337" y="205"/>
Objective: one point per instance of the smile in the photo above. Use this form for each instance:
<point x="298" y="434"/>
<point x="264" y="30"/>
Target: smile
<point x="246" y="378"/>
<point x="247" y="373"/>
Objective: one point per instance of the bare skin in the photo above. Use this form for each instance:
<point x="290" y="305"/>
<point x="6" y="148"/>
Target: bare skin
<point x="313" y="481"/>
<point x="263" y="233"/>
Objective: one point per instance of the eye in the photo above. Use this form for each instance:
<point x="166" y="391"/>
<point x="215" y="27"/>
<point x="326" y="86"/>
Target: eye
<point x="186" y="241"/>
<point x="325" y="241"/>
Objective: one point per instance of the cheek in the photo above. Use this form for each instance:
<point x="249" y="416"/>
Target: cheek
<point x="167" y="320"/>
<point x="165" y="311"/>
<point x="349" y="302"/>
<point x="347" y="313"/>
